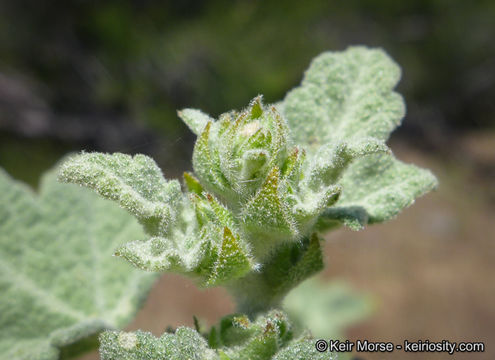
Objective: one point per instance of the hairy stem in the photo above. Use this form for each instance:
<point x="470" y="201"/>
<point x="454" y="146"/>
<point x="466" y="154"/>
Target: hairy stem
<point x="265" y="289"/>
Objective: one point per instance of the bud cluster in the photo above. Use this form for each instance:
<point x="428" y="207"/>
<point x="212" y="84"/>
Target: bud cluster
<point x="247" y="162"/>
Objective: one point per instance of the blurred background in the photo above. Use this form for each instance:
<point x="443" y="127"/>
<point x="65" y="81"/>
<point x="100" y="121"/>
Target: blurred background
<point x="110" y="75"/>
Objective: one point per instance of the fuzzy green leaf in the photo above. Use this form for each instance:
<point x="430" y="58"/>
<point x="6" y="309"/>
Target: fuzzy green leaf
<point x="379" y="186"/>
<point x="343" y="112"/>
<point x="345" y="95"/>
<point x="58" y="280"/>
<point x="206" y="164"/>
<point x="196" y="120"/>
<point x="136" y="183"/>
<point x="269" y="337"/>
<point x="332" y="159"/>
<point x="189" y="235"/>
<point x="185" y="344"/>
<point x="210" y="253"/>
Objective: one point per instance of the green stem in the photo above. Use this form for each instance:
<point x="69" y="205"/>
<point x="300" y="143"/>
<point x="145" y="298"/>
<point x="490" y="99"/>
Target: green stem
<point x="265" y="289"/>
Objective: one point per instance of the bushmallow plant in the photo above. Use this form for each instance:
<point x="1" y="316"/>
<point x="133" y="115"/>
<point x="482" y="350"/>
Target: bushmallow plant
<point x="267" y="182"/>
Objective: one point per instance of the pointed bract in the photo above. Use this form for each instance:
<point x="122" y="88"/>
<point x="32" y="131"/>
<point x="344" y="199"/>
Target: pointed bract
<point x="266" y="214"/>
<point x="232" y="261"/>
<point x="192" y="184"/>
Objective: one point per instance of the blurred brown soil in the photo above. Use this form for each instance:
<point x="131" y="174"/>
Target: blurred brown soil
<point x="431" y="270"/>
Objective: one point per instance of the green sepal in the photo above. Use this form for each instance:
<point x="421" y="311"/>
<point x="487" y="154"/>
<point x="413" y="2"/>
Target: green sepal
<point x="253" y="163"/>
<point x="234" y="330"/>
<point x="266" y="214"/>
<point x="192" y="183"/>
<point x="208" y="208"/>
<point x="260" y="339"/>
<point x="213" y="339"/>
<point x="293" y="166"/>
<point x="232" y="263"/>
<point x="206" y="165"/>
<point x="256" y="107"/>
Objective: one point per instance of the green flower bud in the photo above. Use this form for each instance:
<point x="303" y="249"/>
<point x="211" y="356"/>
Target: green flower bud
<point x="246" y="160"/>
<point x="234" y="155"/>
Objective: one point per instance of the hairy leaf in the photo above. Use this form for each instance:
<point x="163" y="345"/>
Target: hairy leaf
<point x="136" y="183"/>
<point x="58" y="280"/>
<point x="343" y="112"/>
<point x="269" y="337"/>
<point x="193" y="235"/>
<point x="345" y="95"/>
<point x="376" y="189"/>
<point x="186" y="343"/>
<point x="195" y="119"/>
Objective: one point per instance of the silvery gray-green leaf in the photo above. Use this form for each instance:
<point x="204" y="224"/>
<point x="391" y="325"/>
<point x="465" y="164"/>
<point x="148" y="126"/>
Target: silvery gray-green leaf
<point x="343" y="111"/>
<point x="332" y="159"/>
<point x="136" y="183"/>
<point x="381" y="186"/>
<point x="58" y="280"/>
<point x="345" y="95"/>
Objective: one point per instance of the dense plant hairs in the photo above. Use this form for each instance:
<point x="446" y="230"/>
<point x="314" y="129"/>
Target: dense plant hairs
<point x="268" y="181"/>
<point x="59" y="285"/>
